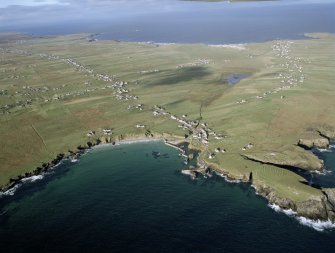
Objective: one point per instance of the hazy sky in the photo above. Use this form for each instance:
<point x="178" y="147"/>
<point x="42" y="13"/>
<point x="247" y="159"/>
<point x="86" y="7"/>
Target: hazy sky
<point x="15" y="12"/>
<point x="5" y="3"/>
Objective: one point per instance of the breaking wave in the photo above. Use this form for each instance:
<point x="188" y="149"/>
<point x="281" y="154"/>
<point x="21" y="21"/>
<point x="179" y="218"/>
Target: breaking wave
<point x="236" y="181"/>
<point x="318" y="225"/>
<point x="187" y="172"/>
<point x="11" y="191"/>
<point x="324" y="150"/>
<point x="323" y="172"/>
<point x="32" y="178"/>
<point x="278" y="209"/>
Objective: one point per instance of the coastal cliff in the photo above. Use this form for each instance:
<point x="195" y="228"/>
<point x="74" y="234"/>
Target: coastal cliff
<point x="315" y="208"/>
<point x="317" y="143"/>
<point x="321" y="208"/>
<point x="309" y="162"/>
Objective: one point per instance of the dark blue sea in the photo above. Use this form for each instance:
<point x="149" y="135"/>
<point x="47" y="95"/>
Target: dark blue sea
<point x="127" y="198"/>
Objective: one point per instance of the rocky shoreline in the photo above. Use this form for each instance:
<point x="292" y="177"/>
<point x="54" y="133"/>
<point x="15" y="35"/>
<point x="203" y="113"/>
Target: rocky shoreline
<point x="316" y="209"/>
<point x="81" y="149"/>
<point x="321" y="209"/>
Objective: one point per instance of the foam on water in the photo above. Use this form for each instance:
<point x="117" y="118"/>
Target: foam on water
<point x="323" y="172"/>
<point x="235" y="181"/>
<point x="324" y="150"/>
<point x="288" y="212"/>
<point x="318" y="225"/>
<point x="11" y="191"/>
<point x="189" y="173"/>
<point x="32" y="178"/>
<point x="158" y="200"/>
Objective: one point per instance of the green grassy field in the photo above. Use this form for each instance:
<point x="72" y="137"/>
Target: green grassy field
<point x="49" y="104"/>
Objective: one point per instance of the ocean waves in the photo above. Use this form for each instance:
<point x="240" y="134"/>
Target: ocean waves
<point x="32" y="179"/>
<point x="318" y="225"/>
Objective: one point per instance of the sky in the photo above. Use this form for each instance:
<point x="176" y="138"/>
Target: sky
<point x="5" y="3"/>
<point x="24" y="12"/>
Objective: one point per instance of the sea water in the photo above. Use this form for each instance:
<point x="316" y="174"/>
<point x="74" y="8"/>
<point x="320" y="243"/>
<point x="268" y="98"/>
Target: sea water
<point x="134" y="198"/>
<point x="174" y="21"/>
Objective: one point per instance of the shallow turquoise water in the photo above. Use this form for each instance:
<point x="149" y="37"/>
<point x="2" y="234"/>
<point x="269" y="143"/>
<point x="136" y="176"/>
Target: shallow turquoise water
<point x="123" y="199"/>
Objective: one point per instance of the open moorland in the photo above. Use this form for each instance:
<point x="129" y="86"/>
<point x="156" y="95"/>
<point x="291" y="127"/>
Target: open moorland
<point x="254" y="110"/>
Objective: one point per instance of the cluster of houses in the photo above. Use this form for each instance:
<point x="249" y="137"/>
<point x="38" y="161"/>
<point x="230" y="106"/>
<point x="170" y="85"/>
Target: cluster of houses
<point x="200" y="131"/>
<point x="90" y="133"/>
<point x="248" y="146"/>
<point x="121" y="91"/>
<point x="107" y="131"/>
<point x="293" y="69"/>
<point x="198" y="62"/>
<point x="242" y="101"/>
<point x="292" y="74"/>
<point x="80" y="67"/>
<point x="77" y="65"/>
<point x="158" y="110"/>
<point x="35" y="89"/>
<point x="138" y="107"/>
<point x="119" y="87"/>
<point x="3" y="92"/>
<point x="125" y="97"/>
<point x="50" y="57"/>
<point x="17" y="51"/>
<point x="149" y="71"/>
<point x="5" y="109"/>
<point x="183" y="122"/>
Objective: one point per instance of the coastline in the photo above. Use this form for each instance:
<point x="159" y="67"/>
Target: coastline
<point x="317" y="213"/>
<point x="74" y="155"/>
<point x="317" y="219"/>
